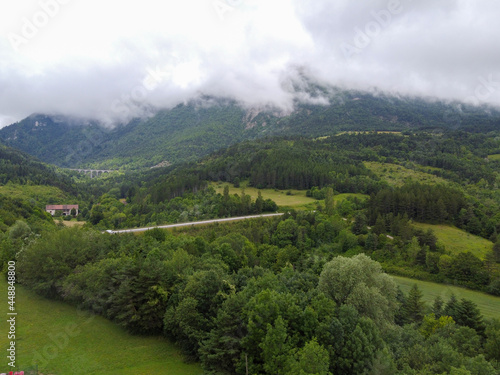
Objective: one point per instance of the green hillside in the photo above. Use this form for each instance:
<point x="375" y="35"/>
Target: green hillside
<point x="456" y="240"/>
<point x="230" y="294"/>
<point x="488" y="304"/>
<point x="290" y="198"/>
<point x="17" y="167"/>
<point x="199" y="127"/>
<point x="398" y="175"/>
<point x="64" y="340"/>
<point x="40" y="194"/>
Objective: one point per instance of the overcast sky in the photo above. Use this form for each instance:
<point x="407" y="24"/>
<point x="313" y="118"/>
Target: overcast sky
<point x="111" y="59"/>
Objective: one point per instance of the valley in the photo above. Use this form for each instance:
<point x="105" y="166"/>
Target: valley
<point x="211" y="293"/>
<point x="233" y="187"/>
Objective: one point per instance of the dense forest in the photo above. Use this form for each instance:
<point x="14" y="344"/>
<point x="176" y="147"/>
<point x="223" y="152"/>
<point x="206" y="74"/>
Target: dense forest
<point x="19" y="168"/>
<point x="308" y="292"/>
<point x="292" y="295"/>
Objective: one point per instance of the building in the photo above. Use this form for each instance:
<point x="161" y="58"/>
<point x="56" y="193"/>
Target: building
<point x="64" y="209"/>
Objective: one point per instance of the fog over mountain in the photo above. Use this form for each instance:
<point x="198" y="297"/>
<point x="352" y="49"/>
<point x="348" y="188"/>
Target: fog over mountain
<point x="114" y="60"/>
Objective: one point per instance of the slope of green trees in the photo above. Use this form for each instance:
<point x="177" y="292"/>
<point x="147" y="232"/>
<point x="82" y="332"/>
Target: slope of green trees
<point x="270" y="296"/>
<point x="302" y="293"/>
<point x="19" y="168"/>
<point x="194" y="129"/>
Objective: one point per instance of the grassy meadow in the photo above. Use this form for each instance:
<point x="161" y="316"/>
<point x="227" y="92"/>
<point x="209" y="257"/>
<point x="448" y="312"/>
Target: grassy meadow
<point x="488" y="304"/>
<point x="397" y="175"/>
<point x="494" y="157"/>
<point x="297" y="199"/>
<point x="456" y="240"/>
<point x="63" y="340"/>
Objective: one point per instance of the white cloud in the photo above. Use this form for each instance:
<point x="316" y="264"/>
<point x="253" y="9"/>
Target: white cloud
<point x="109" y="59"/>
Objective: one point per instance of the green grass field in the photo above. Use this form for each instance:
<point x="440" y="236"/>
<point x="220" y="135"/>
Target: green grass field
<point x="489" y="305"/>
<point x="297" y="199"/>
<point x="397" y="175"/>
<point x="66" y="341"/>
<point x="494" y="157"/>
<point x="456" y="240"/>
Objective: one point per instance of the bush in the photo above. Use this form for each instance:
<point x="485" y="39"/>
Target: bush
<point x="494" y="287"/>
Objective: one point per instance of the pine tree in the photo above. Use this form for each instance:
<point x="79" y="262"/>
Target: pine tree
<point x="451" y="307"/>
<point x="440" y="211"/>
<point x="490" y="263"/>
<point x="371" y="242"/>
<point x="496" y="250"/>
<point x="259" y="203"/>
<point x="329" y="203"/>
<point x="413" y="307"/>
<point x="379" y="226"/>
<point x="437" y="307"/>
<point x="468" y="315"/>
<point x="275" y="348"/>
<point x="359" y="225"/>
<point x="400" y="315"/>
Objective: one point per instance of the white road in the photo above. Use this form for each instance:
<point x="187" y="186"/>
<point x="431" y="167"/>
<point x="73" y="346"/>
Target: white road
<point x="192" y="223"/>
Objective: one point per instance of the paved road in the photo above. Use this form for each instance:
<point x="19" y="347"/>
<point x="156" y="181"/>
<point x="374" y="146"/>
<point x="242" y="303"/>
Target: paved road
<point x="192" y="223"/>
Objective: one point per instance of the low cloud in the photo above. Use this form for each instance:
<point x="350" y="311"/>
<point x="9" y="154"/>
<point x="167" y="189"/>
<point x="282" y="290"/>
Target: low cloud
<point x="112" y="61"/>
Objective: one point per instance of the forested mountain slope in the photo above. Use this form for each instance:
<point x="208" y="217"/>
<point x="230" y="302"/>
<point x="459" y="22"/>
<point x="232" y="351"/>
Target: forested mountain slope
<point x="199" y="127"/>
<point x="20" y="168"/>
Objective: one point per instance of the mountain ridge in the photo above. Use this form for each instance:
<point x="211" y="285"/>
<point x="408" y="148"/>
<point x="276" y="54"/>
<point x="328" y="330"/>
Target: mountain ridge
<point x="196" y="128"/>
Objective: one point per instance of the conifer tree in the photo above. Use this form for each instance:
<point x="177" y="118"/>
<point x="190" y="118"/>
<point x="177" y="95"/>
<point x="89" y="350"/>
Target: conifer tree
<point x="414" y="306"/>
<point x="329" y="203"/>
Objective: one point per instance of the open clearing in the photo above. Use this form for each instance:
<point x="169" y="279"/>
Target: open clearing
<point x="297" y="199"/>
<point x="72" y="223"/>
<point x="489" y="305"/>
<point x="494" y="157"/>
<point x="456" y="240"/>
<point x="342" y="197"/>
<point x="68" y="341"/>
<point x="397" y="175"/>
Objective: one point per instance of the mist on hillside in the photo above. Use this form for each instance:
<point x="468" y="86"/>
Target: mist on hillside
<point x="115" y="61"/>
